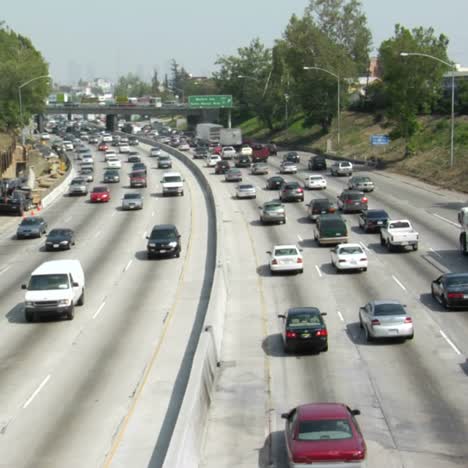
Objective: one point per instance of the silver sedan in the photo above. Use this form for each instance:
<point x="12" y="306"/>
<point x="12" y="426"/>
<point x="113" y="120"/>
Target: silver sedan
<point x="132" y="201"/>
<point x="385" y="319"/>
<point x="246" y="191"/>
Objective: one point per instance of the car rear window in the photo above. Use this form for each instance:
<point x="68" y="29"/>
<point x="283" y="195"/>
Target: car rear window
<point x="377" y="214"/>
<point x="335" y="224"/>
<point x="353" y="196"/>
<point x="273" y="207"/>
<point x="285" y="251"/>
<point x="399" y="225"/>
<point x="325" y="429"/>
<point x="291" y="185"/>
<point x="350" y="250"/>
<point x="389" y="309"/>
<point x="457" y="280"/>
<point x="321" y="204"/>
<point x="304" y="319"/>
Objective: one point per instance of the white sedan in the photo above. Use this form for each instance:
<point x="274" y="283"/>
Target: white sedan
<point x="212" y="159"/>
<point x="110" y="154"/>
<point x="124" y="149"/>
<point x="288" y="167"/>
<point x="228" y="152"/>
<point x="286" y="258"/>
<point x="349" y="257"/>
<point x="114" y="163"/>
<point x="184" y="146"/>
<point x="246" y="191"/>
<point x="315" y="181"/>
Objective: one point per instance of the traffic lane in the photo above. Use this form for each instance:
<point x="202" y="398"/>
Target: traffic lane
<point x="122" y="300"/>
<point x="277" y="293"/>
<point x="101" y="268"/>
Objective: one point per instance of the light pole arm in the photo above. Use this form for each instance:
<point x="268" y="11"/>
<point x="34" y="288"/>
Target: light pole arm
<point x="420" y="54"/>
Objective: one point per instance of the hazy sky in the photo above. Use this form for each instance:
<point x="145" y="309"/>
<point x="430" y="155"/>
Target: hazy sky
<point x="108" y="38"/>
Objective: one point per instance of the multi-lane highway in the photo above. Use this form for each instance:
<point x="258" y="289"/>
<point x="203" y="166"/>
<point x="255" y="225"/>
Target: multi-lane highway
<point x="413" y="395"/>
<point x="95" y="391"/>
<point x="68" y="388"/>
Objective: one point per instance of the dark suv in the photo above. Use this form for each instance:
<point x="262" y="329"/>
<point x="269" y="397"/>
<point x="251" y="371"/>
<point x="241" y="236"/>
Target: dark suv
<point x="292" y="156"/>
<point x="352" y="201"/>
<point x="164" y="240"/>
<point x="291" y="191"/>
<point x="317" y="163"/>
<point x="319" y="206"/>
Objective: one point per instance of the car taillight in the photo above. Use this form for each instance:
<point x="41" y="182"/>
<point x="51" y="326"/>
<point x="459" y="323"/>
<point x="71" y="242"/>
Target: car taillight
<point x="321" y="333"/>
<point x="408" y="320"/>
<point x="342" y="260"/>
<point x="375" y="322"/>
<point x="364" y="200"/>
<point x="274" y="262"/>
<point x="291" y="334"/>
<point x="299" y="190"/>
<point x="331" y="210"/>
<point x="299" y="260"/>
<point x="362" y="259"/>
<point x="455" y="295"/>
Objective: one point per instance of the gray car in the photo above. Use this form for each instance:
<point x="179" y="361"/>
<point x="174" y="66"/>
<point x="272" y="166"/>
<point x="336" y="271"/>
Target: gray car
<point x="87" y="173"/>
<point x="233" y="175"/>
<point x="31" y="226"/>
<point x="385" y="319"/>
<point x="78" y="186"/>
<point x="164" y="162"/>
<point x="341" y="168"/>
<point x="132" y="201"/>
<point x="362" y="183"/>
<point x="111" y="175"/>
<point x="351" y="201"/>
<point x="259" y="168"/>
<point x="273" y="212"/>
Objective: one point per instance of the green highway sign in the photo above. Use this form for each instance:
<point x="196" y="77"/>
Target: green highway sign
<point x="209" y="101"/>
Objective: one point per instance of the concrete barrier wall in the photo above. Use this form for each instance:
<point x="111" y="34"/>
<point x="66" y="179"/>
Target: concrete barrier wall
<point x="186" y="443"/>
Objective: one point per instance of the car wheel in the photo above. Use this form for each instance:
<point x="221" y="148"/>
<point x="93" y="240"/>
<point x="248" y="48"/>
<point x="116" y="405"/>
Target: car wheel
<point x="286" y="348"/>
<point x="178" y="253"/>
<point x="29" y="316"/>
<point x="410" y="337"/>
<point x="382" y="241"/>
<point x="415" y="247"/>
<point x="444" y="302"/>
<point x="71" y="314"/>
<point x="361" y="325"/>
<point x="388" y="245"/>
<point x="81" y="299"/>
<point x="325" y="348"/>
<point x="364" y="269"/>
<point x="367" y="335"/>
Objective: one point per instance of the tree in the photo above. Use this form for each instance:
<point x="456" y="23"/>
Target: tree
<point x="413" y="84"/>
<point x="20" y="62"/>
<point x="155" y="84"/>
<point x="131" y="85"/>
<point x="344" y="23"/>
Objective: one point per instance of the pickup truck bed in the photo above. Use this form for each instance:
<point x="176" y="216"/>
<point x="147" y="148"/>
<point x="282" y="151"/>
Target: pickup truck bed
<point x="399" y="234"/>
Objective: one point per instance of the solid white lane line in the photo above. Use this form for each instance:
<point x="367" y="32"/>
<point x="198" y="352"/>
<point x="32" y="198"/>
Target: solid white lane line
<point x="99" y="310"/>
<point x="114" y="213"/>
<point x="128" y="265"/>
<point x="318" y="270"/>
<point x="446" y="220"/>
<point x="38" y="389"/>
<point x="152" y="213"/>
<point x="300" y="239"/>
<point x="397" y="281"/>
<point x="434" y="252"/>
<point x="341" y="316"/>
<point x="450" y="342"/>
<point x="144" y="235"/>
<point x="364" y="246"/>
<point x="97" y="234"/>
<point x="67" y="219"/>
<point x="3" y="270"/>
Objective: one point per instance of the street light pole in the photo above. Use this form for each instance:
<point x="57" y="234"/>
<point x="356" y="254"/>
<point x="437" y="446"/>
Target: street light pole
<point x="20" y="87"/>
<point x="452" y="124"/>
<point x="338" y="116"/>
<point x="286" y="115"/>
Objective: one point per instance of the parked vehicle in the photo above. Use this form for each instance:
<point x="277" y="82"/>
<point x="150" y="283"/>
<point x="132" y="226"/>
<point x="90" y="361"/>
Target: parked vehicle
<point x="451" y="290"/>
<point x="386" y="319"/>
<point x="304" y="329"/>
<point x="330" y="229"/>
<point x="14" y="198"/>
<point x="399" y="233"/>
<point x="54" y="288"/>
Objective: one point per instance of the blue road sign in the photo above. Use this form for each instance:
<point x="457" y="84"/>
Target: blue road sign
<point x="379" y="140"/>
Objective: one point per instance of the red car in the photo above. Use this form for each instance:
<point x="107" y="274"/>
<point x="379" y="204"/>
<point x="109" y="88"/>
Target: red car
<point x="138" y="179"/>
<point x="325" y="433"/>
<point x="103" y="147"/>
<point x="260" y="152"/>
<point x="217" y="149"/>
<point x="100" y="194"/>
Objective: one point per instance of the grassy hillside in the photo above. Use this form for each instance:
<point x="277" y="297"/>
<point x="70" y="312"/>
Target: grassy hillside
<point x="429" y="160"/>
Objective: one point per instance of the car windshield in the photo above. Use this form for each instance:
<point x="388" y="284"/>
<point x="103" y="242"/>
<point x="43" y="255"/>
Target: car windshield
<point x="389" y="309"/>
<point x="304" y="319"/>
<point x="350" y="250"/>
<point x="359" y="180"/>
<point x="77" y="182"/>
<point x="46" y="282"/>
<point x="246" y="187"/>
<point x="325" y="429"/>
<point x="30" y="221"/>
<point x="163" y="234"/>
<point x="172" y="179"/>
<point x="285" y="251"/>
<point x="460" y="280"/>
<point x="132" y="196"/>
<point x="276" y="180"/>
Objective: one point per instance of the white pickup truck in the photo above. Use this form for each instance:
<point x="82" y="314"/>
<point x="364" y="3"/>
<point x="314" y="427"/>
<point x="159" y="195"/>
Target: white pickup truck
<point x="399" y="233"/>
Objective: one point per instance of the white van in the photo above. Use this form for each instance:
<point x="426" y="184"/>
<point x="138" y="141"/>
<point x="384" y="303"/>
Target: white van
<point x="54" y="288"/>
<point x="172" y="184"/>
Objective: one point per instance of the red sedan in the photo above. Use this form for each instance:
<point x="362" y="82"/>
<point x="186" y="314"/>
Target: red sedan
<point x="325" y="433"/>
<point x="100" y="194"/>
<point x="103" y="147"/>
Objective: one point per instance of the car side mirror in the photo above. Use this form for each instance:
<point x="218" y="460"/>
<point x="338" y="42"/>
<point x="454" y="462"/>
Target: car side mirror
<point x="323" y="313"/>
<point x="282" y="316"/>
<point x="268" y="252"/>
<point x="147" y="237"/>
<point x="75" y="285"/>
<point x="23" y="286"/>
<point x="285" y="415"/>
<point x="362" y="308"/>
<point x="355" y="412"/>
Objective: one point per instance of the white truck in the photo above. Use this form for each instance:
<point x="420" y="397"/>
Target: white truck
<point x="399" y="233"/>
<point x="54" y="289"/>
<point x="230" y="137"/>
<point x="208" y="132"/>
<point x="463" y="220"/>
<point x="172" y="184"/>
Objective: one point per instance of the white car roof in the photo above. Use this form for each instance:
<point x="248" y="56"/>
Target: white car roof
<point x="171" y="174"/>
<point x="57" y="266"/>
<point x="289" y="246"/>
<point x="349" y="245"/>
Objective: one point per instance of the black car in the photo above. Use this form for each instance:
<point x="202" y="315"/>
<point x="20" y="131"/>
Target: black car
<point x="274" y="183"/>
<point x="133" y="141"/>
<point x="111" y="176"/>
<point x="451" y="290"/>
<point x="291" y="191"/>
<point x="222" y="167"/>
<point x="242" y="161"/>
<point x="164" y="240"/>
<point x="292" y="156"/>
<point x="373" y="220"/>
<point x="60" y="239"/>
<point x="319" y="206"/>
<point x="317" y="163"/>
<point x="272" y="148"/>
<point x="134" y="159"/>
<point x="139" y="167"/>
<point x="304" y="329"/>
